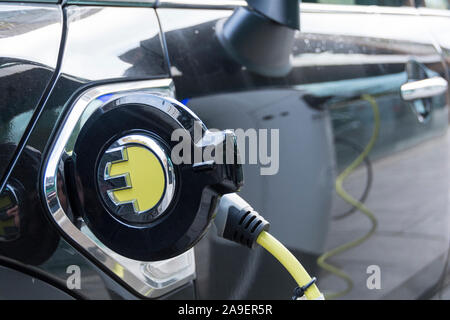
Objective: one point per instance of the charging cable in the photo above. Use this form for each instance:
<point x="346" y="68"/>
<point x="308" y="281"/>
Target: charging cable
<point x="236" y="220"/>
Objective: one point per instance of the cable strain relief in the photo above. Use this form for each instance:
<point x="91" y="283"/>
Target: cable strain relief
<point x="244" y="226"/>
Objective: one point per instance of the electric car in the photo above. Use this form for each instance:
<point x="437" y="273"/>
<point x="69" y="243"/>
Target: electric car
<point x="351" y="97"/>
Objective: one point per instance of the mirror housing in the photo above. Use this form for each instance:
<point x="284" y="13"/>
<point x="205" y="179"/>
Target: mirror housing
<point x="260" y="36"/>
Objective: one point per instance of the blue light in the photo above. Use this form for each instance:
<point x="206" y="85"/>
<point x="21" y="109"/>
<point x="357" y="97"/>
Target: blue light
<point x="105" y="97"/>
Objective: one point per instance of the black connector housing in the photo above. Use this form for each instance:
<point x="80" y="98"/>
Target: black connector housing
<point x="244" y="226"/>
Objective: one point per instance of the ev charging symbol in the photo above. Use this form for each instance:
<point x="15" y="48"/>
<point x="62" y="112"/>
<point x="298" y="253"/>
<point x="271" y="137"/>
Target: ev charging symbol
<point x="74" y="280"/>
<point x="374" y="280"/>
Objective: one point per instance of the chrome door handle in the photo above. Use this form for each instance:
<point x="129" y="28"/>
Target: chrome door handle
<point x="421" y="89"/>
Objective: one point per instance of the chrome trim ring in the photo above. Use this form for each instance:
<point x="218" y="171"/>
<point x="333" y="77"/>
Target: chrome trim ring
<point x="125" y="269"/>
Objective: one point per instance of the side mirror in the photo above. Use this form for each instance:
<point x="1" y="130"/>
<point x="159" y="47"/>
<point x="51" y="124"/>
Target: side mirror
<point x="260" y="36"/>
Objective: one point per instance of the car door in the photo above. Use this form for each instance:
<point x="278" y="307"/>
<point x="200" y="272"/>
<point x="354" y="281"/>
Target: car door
<point x="435" y="16"/>
<point x="30" y="36"/>
<point x="362" y="165"/>
<point x="100" y="46"/>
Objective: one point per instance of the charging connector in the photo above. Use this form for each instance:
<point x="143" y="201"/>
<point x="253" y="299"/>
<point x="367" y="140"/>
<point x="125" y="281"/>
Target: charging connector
<point x="237" y="221"/>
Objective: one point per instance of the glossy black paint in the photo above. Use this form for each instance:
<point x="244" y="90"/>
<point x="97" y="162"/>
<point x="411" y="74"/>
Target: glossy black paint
<point x="334" y="64"/>
<point x="438" y="21"/>
<point x="13" y="282"/>
<point x="29" y="45"/>
<point x="66" y="87"/>
<point x="333" y="67"/>
<point x="96" y="49"/>
<point x="37" y="240"/>
<point x="207" y="68"/>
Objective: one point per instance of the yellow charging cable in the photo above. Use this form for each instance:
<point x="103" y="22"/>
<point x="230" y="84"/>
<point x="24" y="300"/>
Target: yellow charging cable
<point x="290" y="262"/>
<point x="321" y="261"/>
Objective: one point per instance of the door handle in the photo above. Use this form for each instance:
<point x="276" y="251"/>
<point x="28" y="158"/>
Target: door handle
<point x="421" y="89"/>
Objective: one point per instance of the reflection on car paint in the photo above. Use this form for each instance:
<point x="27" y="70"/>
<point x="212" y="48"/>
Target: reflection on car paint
<point x="30" y="36"/>
<point x="333" y="66"/>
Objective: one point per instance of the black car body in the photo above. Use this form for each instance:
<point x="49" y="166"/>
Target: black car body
<point x="52" y="53"/>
